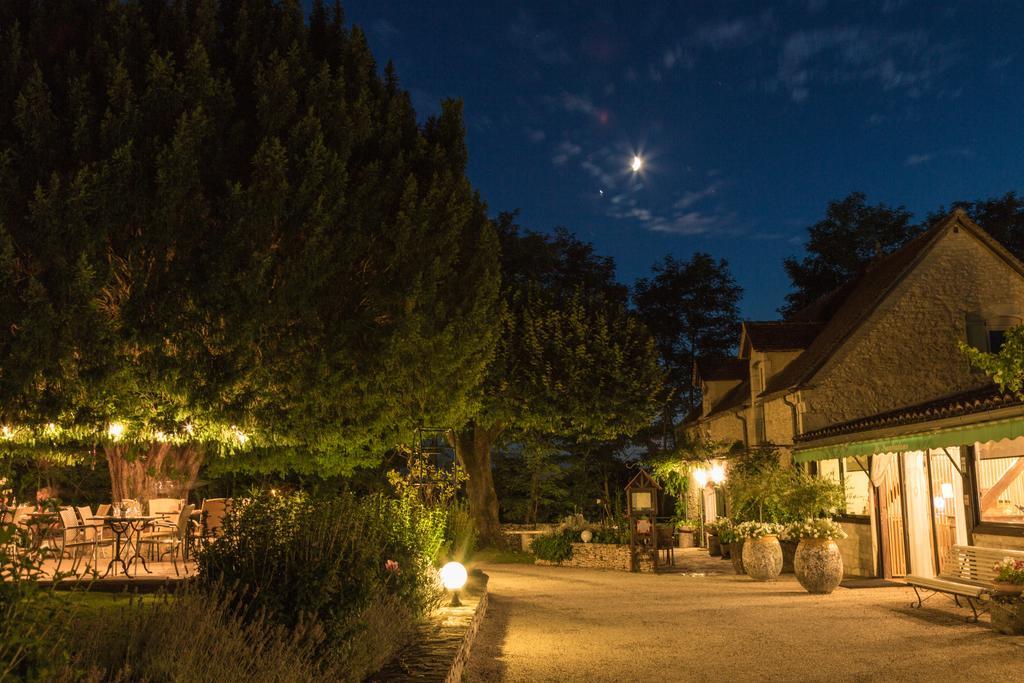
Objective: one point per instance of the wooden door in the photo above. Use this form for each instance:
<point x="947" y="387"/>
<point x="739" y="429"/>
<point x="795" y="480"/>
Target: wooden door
<point x="893" y="529"/>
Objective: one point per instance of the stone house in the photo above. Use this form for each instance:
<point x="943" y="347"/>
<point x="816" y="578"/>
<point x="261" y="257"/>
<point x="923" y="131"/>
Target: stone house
<point x="843" y="386"/>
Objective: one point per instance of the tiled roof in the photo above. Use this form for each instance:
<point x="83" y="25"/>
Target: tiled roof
<point x="855" y="302"/>
<point x="717" y="369"/>
<point x="957" y="405"/>
<point x="737" y="397"/>
<point x="781" y="335"/>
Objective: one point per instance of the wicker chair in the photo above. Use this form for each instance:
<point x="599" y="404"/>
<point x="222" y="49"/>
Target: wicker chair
<point x="172" y="539"/>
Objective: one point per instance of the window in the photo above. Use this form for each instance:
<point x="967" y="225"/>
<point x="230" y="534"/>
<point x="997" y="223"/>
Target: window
<point x="760" y="429"/>
<point x="999" y="477"/>
<point x="987" y="334"/>
<point x="853" y="474"/>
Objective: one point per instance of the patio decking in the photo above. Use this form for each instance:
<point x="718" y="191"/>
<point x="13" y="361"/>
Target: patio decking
<point x="162" y="575"/>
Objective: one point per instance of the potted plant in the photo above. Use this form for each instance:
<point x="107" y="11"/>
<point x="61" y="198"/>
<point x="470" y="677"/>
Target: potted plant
<point x="1009" y="576"/>
<point x="762" y="554"/>
<point x="714" y="545"/>
<point x="818" y="564"/>
<point x="728" y="536"/>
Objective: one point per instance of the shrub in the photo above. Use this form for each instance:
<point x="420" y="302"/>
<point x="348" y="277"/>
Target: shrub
<point x="30" y="618"/>
<point x="194" y="635"/>
<point x="343" y="562"/>
<point x="554" y="547"/>
<point x="612" y="533"/>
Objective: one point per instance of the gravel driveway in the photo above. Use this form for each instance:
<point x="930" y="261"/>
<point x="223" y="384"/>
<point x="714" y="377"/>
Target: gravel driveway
<point x="559" y="624"/>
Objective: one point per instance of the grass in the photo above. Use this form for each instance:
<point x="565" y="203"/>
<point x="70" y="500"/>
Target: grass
<point x="93" y="603"/>
<point x="500" y="556"/>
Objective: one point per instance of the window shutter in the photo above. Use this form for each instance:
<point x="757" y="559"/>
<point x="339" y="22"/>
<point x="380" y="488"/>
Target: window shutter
<point x="977" y="333"/>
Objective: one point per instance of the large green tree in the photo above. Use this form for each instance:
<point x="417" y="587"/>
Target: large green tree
<point x="692" y="309"/>
<point x="572" y="360"/>
<point x="222" y="230"/>
<point x="842" y="244"/>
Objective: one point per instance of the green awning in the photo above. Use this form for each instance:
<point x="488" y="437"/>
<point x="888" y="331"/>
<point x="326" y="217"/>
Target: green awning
<point x="936" y="438"/>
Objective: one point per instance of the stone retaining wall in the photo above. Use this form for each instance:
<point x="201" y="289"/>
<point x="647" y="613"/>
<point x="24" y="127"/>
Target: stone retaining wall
<point x="603" y="556"/>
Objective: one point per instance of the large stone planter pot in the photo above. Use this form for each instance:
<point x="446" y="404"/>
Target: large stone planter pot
<point x="686" y="537"/>
<point x="714" y="547"/>
<point x="762" y="558"/>
<point x="818" y="565"/>
<point x="788" y="555"/>
<point x="736" y="549"/>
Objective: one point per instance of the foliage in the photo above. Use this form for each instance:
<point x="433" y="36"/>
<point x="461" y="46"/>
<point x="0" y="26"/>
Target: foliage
<point x="502" y="556"/>
<point x="1010" y="570"/>
<point x="757" y="530"/>
<point x="460" y="535"/>
<point x="760" y="489"/>
<point x="692" y="310"/>
<point x="760" y="495"/>
<point x="530" y="479"/>
<point x="615" y="532"/>
<point x="220" y="225"/>
<point x="1005" y="367"/>
<point x="328" y="559"/>
<point x="724" y="528"/>
<point x="842" y="244"/>
<point x="198" y="635"/>
<point x="555" y="546"/>
<point x="820" y="527"/>
<point x="810" y="497"/>
<point x="572" y="362"/>
<point x="30" y="618"/>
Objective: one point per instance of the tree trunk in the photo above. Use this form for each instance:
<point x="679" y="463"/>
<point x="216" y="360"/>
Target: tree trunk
<point x="159" y="470"/>
<point x="473" y="450"/>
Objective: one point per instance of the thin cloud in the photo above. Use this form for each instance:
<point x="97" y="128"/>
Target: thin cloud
<point x="543" y="45"/>
<point x="692" y="197"/>
<point x="535" y="134"/>
<point x="564" y="151"/>
<point x="926" y="157"/>
<point x="905" y="61"/>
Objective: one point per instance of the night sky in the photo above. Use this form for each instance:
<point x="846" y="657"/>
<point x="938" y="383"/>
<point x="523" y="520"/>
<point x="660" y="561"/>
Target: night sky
<point x="749" y="116"/>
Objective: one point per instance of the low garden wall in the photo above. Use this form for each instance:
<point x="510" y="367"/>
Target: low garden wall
<point x="604" y="556"/>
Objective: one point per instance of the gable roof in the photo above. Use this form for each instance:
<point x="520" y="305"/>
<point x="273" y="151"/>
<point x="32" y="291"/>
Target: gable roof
<point x="718" y="369"/>
<point x="778" y="335"/>
<point x="734" y="399"/>
<point x="864" y="293"/>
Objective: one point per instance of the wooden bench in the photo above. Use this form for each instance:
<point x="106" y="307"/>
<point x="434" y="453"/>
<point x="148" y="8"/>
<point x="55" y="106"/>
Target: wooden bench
<point x="968" y="571"/>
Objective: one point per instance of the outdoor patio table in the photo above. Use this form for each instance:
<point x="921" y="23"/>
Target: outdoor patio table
<point x="126" y="531"/>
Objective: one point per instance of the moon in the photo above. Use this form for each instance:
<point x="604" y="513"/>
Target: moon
<point x="637" y="164"/>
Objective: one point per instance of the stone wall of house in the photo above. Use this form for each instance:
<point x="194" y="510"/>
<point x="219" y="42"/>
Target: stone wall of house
<point x="907" y="352"/>
<point x="778" y="422"/>
<point x="726" y="428"/>
<point x="858" y="549"/>
<point x="994" y="541"/>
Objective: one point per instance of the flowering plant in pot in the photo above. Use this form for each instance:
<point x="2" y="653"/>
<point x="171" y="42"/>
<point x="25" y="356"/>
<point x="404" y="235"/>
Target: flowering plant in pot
<point x="818" y="564"/>
<point x="1010" y="575"/>
<point x="762" y="554"/>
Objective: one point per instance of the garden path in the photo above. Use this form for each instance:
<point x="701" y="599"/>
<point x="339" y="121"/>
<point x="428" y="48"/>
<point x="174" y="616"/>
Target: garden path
<point x="561" y="624"/>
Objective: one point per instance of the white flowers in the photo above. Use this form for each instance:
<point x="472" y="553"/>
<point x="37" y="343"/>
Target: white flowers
<point x="814" y="528"/>
<point x="758" y="529"/>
